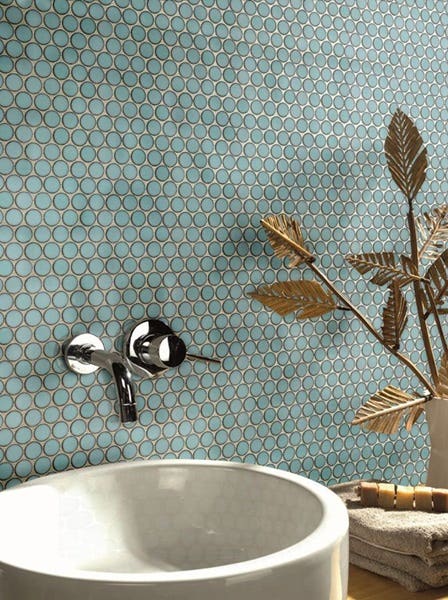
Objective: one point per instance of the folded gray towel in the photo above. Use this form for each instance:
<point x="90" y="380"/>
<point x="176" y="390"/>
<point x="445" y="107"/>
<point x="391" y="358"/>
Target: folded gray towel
<point x="405" y="579"/>
<point x="435" y="576"/>
<point x="411" y="532"/>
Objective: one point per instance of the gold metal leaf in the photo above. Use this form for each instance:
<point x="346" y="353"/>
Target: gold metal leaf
<point x="307" y="298"/>
<point x="383" y="266"/>
<point x="394" y="316"/>
<point x="432" y="229"/>
<point x="437" y="274"/>
<point x="286" y="239"/>
<point x="406" y="155"/>
<point x="385" y="410"/>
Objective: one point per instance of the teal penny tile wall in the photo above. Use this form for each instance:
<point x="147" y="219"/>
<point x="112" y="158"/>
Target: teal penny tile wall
<point x="140" y="143"/>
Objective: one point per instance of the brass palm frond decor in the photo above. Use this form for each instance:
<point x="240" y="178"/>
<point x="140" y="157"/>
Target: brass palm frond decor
<point x="424" y="270"/>
<point x="385" y="410"/>
<point x="383" y="266"/>
<point x="432" y="229"/>
<point x="437" y="275"/>
<point x="394" y="316"/>
<point x="306" y="298"/>
<point x="286" y="238"/>
<point x="406" y="155"/>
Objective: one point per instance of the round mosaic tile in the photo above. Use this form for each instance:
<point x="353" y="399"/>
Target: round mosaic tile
<point x="141" y="143"/>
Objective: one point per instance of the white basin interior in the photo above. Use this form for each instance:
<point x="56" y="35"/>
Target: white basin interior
<point x="166" y="518"/>
<point x="173" y="530"/>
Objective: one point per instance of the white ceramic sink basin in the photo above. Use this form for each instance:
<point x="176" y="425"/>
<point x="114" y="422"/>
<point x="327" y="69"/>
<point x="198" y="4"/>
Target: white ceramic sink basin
<point x="172" y="530"/>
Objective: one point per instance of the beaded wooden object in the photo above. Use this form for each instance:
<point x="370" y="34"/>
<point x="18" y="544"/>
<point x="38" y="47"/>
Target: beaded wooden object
<point x="403" y="497"/>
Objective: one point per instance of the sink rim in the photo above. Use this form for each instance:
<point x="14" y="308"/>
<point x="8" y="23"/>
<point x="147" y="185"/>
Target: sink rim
<point x="331" y="529"/>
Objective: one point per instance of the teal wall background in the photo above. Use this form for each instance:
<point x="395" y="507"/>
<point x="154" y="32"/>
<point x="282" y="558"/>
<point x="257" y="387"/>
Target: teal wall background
<point x="141" y="141"/>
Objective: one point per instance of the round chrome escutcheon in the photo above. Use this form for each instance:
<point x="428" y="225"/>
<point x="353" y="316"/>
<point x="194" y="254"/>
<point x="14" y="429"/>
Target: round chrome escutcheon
<point x="72" y="352"/>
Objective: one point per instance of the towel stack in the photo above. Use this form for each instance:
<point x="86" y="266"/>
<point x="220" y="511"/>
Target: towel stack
<point x="409" y="547"/>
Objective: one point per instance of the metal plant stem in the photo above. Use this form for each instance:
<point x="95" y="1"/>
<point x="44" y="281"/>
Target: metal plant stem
<point x="419" y="297"/>
<point x="368" y="325"/>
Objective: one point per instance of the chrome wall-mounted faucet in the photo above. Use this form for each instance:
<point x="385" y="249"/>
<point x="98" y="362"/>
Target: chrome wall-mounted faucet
<point x="150" y="348"/>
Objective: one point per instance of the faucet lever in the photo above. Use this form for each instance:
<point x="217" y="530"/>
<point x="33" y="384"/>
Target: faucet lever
<point x="210" y="359"/>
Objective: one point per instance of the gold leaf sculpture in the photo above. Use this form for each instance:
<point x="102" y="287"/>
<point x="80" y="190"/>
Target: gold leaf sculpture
<point x="406" y="155"/>
<point x="394" y="316"/>
<point x="383" y="266"/>
<point x="433" y="232"/>
<point x="306" y="298"/>
<point x="286" y="239"/>
<point x="428" y="233"/>
<point x="437" y="275"/>
<point x="385" y="410"/>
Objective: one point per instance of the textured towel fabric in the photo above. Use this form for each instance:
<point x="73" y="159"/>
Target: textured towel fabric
<point x="411" y="532"/>
<point x="435" y="576"/>
<point x="405" y="579"/>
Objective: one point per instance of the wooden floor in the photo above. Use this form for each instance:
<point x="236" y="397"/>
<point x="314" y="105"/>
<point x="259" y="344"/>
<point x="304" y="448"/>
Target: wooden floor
<point x="363" y="585"/>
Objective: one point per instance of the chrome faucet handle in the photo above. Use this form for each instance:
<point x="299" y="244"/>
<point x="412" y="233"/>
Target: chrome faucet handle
<point x="152" y="347"/>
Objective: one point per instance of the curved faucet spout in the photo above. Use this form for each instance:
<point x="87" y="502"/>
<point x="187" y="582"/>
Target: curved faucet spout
<point x="114" y="363"/>
<point x="85" y="354"/>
